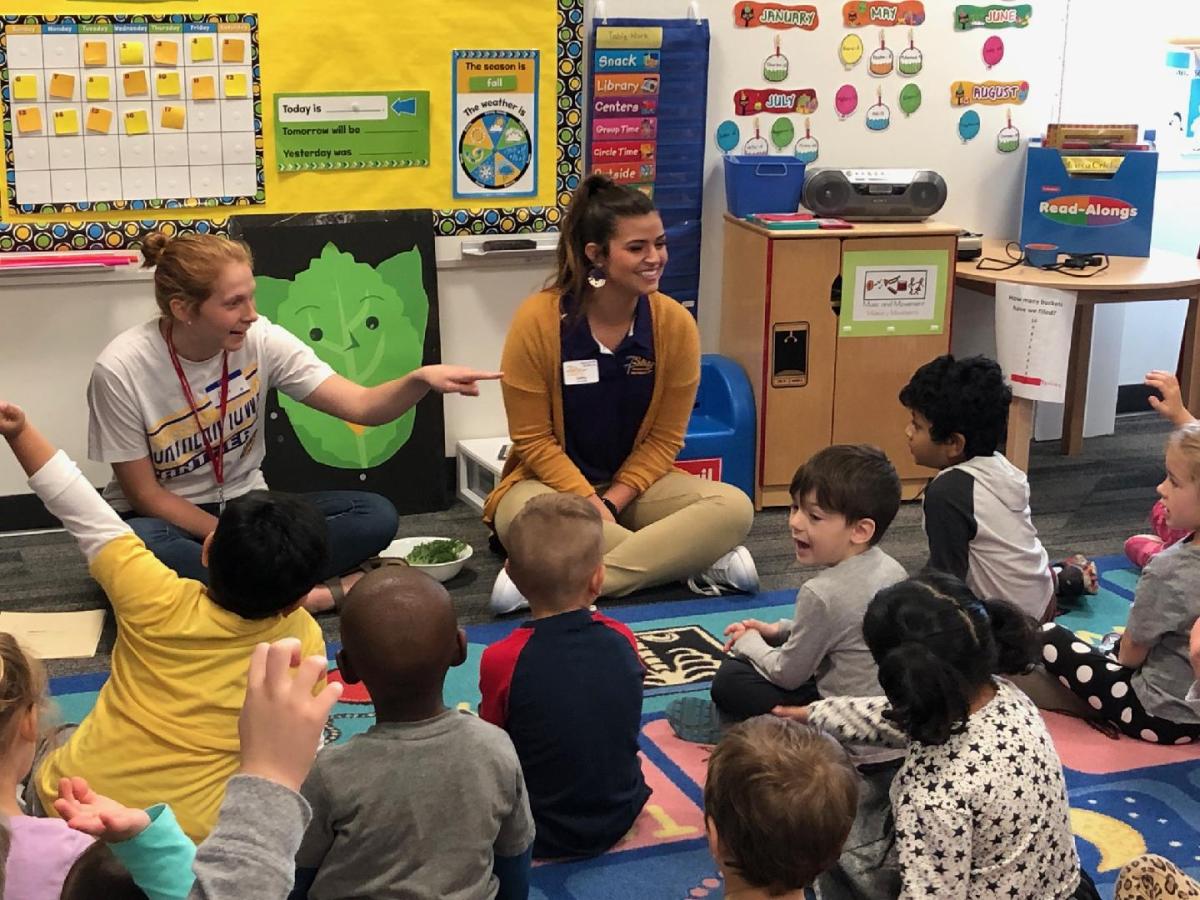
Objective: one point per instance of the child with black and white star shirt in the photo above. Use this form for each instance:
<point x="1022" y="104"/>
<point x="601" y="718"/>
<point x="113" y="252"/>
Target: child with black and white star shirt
<point x="980" y="802"/>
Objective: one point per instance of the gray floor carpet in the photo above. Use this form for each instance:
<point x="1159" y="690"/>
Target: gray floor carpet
<point x="1088" y="503"/>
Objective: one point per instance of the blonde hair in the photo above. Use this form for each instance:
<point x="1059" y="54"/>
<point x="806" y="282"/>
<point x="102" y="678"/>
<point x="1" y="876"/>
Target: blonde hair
<point x="186" y="265"/>
<point x="554" y="545"/>
<point x="1186" y="439"/>
<point x="22" y="686"/>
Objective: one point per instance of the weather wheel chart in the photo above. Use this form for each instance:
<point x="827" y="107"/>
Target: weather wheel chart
<point x="495" y="150"/>
<point x="131" y="112"/>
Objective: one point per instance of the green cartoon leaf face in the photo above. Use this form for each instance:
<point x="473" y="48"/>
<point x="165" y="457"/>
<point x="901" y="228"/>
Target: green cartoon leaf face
<point x="369" y="325"/>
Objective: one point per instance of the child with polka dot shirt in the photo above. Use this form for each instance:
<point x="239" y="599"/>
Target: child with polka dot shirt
<point x="1143" y="686"/>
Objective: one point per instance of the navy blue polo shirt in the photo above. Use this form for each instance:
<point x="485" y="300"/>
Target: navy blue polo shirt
<point x="601" y="419"/>
<point x="568" y="690"/>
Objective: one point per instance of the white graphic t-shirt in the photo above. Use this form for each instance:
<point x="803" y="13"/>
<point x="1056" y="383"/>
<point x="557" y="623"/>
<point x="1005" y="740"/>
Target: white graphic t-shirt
<point x="137" y="408"/>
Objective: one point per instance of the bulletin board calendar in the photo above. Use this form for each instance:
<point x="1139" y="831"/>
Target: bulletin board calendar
<point x="128" y="112"/>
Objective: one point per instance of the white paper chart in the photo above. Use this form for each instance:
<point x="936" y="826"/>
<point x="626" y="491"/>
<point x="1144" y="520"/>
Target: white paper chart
<point x="1033" y="339"/>
<point x="117" y="114"/>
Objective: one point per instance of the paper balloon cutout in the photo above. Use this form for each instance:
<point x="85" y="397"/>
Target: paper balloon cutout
<point x="968" y="125"/>
<point x="911" y="59"/>
<point x="845" y="101"/>
<point x="851" y="50"/>
<point x="1009" y="138"/>
<point x="782" y="132"/>
<point x="879" y="116"/>
<point x="882" y="60"/>
<point x="757" y="145"/>
<point x="728" y="136"/>
<point x="993" y="50"/>
<point x="910" y="99"/>
<point x="775" y="67"/>
<point x="807" y="148"/>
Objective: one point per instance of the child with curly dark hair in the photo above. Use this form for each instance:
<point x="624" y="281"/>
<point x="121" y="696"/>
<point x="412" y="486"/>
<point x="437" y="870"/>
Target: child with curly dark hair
<point x="977" y="516"/>
<point x="980" y="802"/>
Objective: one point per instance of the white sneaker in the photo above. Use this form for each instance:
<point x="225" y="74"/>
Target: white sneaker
<point x="733" y="571"/>
<point x="505" y="596"/>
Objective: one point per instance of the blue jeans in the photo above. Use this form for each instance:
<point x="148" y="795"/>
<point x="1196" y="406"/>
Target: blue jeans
<point x="360" y="525"/>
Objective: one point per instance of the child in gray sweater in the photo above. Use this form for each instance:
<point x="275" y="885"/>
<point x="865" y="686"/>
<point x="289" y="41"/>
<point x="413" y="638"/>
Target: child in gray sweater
<point x="843" y="500"/>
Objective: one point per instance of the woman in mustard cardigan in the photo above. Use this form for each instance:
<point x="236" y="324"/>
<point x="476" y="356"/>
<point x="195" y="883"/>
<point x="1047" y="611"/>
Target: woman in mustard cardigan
<point x="600" y="375"/>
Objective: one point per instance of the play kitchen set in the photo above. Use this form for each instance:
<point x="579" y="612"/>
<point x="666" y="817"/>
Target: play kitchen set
<point x="829" y="308"/>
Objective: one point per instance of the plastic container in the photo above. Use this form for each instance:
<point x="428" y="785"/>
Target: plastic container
<point x="763" y="184"/>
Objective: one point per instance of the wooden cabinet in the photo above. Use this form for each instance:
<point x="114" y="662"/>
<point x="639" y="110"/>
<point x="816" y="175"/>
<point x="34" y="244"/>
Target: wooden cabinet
<point x="779" y="318"/>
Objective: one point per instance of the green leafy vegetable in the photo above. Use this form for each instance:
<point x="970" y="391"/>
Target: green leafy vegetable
<point x="431" y="553"/>
<point x="368" y="323"/>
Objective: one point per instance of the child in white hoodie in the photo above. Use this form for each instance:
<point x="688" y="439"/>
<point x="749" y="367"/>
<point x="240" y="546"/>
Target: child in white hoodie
<point x="976" y="508"/>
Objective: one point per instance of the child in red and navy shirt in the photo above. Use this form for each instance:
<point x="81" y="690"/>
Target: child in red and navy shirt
<point x="567" y="684"/>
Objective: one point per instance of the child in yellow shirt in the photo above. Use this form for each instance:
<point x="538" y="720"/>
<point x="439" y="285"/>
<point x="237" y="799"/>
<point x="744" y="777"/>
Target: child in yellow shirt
<point x="164" y="728"/>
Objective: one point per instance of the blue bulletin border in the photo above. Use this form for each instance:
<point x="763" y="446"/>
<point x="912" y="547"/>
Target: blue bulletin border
<point x="76" y="234"/>
<point x="185" y="20"/>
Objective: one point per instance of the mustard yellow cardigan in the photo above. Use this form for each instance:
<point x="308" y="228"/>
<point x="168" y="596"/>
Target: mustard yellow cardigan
<point x="532" y="389"/>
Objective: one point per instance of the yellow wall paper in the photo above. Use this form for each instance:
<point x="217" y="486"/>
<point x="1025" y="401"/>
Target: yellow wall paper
<point x="306" y="45"/>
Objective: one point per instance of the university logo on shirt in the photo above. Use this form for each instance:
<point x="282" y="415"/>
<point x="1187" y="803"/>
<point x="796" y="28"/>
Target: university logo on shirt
<point x="639" y="365"/>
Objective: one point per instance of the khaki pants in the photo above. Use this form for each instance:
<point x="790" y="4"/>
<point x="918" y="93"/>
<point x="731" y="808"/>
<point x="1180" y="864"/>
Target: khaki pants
<point x="675" y="529"/>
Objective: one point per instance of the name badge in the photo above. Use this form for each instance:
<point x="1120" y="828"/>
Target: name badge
<point x="581" y="371"/>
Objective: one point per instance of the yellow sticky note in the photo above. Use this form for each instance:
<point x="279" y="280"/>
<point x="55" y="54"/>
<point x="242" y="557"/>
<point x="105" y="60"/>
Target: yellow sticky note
<point x="167" y="84"/>
<point x="99" y="120"/>
<point x="166" y="53"/>
<point x="136" y="122"/>
<point x="172" y="117"/>
<point x="233" y="50"/>
<point x="97" y="87"/>
<point x="134" y="83"/>
<point x="25" y="87"/>
<point x="235" y="85"/>
<point x="62" y="86"/>
<point x="29" y="119"/>
<point x="202" y="49"/>
<point x="66" y="121"/>
<point x="132" y="53"/>
<point x="95" y="53"/>
<point x="204" y="88"/>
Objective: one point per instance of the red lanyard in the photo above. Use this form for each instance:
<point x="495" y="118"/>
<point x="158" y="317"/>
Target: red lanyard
<point x="217" y="455"/>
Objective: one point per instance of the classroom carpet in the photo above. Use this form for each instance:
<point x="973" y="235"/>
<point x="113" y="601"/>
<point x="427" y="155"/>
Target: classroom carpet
<point x="1127" y="797"/>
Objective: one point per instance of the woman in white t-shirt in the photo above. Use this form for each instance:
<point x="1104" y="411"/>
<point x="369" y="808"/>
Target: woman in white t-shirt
<point x="175" y="405"/>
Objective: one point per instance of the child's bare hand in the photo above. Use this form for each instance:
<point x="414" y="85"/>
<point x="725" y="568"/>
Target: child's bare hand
<point x="281" y="721"/>
<point x="733" y="631"/>
<point x="799" y="713"/>
<point x="1194" y="648"/>
<point x="12" y="419"/>
<point x="91" y="813"/>
<point x="1170" y="407"/>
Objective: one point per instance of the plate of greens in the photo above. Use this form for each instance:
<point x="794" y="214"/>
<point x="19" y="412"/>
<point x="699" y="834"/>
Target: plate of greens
<point x="440" y="557"/>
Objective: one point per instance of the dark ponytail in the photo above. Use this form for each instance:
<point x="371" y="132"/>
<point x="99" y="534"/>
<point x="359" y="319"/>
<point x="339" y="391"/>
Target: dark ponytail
<point x="1016" y="638"/>
<point x="936" y="644"/>
<point x="596" y="206"/>
<point x="929" y="699"/>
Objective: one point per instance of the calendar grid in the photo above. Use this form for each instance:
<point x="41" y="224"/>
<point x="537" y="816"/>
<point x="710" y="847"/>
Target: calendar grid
<point x="131" y="112"/>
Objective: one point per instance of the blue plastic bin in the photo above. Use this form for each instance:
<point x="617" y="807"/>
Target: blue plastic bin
<point x="721" y="430"/>
<point x="763" y="184"/>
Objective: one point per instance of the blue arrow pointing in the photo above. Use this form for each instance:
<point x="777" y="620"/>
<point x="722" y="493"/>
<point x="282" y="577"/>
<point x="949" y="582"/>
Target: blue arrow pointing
<point x="405" y="106"/>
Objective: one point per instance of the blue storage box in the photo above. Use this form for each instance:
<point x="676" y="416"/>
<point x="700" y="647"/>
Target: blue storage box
<point x="721" y="431"/>
<point x="763" y="184"/>
<point x="1089" y="214"/>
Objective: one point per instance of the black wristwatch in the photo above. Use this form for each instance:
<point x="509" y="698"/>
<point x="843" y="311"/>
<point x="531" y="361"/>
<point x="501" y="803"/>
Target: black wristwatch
<point x="612" y="507"/>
